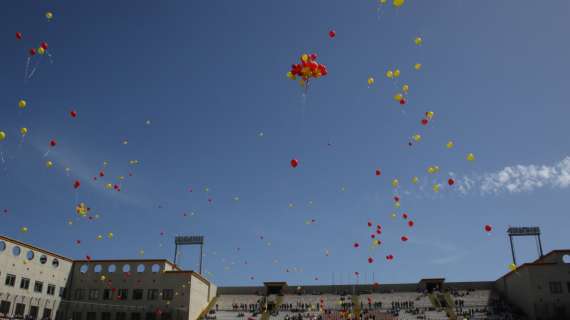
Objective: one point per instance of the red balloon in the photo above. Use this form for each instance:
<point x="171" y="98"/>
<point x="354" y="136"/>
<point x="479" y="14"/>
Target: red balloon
<point x="488" y="228"/>
<point x="370" y="259"/>
<point x="356" y="245"/>
<point x="410" y="223"/>
<point x="76" y="184"/>
<point x="294" y="163"/>
<point x="52" y="143"/>
<point x="378" y="226"/>
<point x="405" y="216"/>
<point x="369" y="223"/>
<point x="44" y="45"/>
<point x="379" y="231"/>
<point x="32" y="52"/>
<point x="373" y="236"/>
<point x="78" y="241"/>
<point x="425" y="122"/>
<point x="73" y="113"/>
<point x="88" y="258"/>
<point x="450" y="182"/>
<point x="378" y="172"/>
<point x="101" y="173"/>
<point x="332" y="34"/>
<point x="403" y="101"/>
<point x="19" y="35"/>
<point x="397" y="199"/>
<point x="389" y="257"/>
<point x="404" y="238"/>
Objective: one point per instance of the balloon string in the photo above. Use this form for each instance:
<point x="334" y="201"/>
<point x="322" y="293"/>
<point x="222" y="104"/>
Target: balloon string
<point x="35" y="68"/>
<point x="46" y="154"/>
<point x="27" y="68"/>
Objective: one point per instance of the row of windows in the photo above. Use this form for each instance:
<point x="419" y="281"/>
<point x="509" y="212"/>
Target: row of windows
<point x="21" y="308"/>
<point x="556" y="287"/>
<point x="112" y="268"/>
<point x="157" y="315"/>
<point x="123" y="294"/>
<point x="25" y="285"/>
<point x="30" y="255"/>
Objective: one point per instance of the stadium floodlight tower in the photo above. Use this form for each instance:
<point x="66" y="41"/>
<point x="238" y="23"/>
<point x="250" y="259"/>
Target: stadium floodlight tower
<point x="525" y="232"/>
<point x="189" y="240"/>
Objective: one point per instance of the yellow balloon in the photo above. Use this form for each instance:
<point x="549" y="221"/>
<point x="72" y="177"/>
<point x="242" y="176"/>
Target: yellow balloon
<point x="305" y="57"/>
<point x="49" y="15"/>
<point x="436" y="168"/>
<point x="24" y="229"/>
<point x="398" y="3"/>
<point x="290" y="75"/>
<point x="389" y="74"/>
<point x="109" y="186"/>
<point x="418" y="41"/>
<point x="395" y="183"/>
<point x="393" y="215"/>
<point x="103" y="278"/>
<point x="429" y="114"/>
<point x="370" y="81"/>
<point x="512" y="267"/>
<point x="450" y="144"/>
<point x="436" y="187"/>
<point x="41" y="51"/>
<point x="417" y="137"/>
<point x="415" y="180"/>
<point x="470" y="157"/>
<point x="2" y="135"/>
<point x="99" y="237"/>
<point x="49" y="164"/>
<point x="431" y="170"/>
<point x="398" y="96"/>
<point x="110" y="235"/>
<point x="24" y="131"/>
<point x="397" y="73"/>
<point x="405" y="88"/>
<point x="382" y="1"/>
<point x="418" y="66"/>
<point x="397" y="205"/>
<point x="22" y="104"/>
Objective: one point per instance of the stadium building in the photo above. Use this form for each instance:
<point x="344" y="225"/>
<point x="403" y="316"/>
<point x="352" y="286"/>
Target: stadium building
<point x="38" y="284"/>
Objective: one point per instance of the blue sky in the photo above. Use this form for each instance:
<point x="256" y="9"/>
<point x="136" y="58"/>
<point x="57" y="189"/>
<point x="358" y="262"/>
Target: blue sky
<point x="210" y="77"/>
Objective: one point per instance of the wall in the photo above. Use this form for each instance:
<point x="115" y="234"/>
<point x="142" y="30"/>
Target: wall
<point x="35" y="264"/>
<point x="199" y="296"/>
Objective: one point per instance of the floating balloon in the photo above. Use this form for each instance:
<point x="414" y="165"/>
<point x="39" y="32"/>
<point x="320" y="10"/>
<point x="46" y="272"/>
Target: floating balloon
<point x="405" y="88"/>
<point x="332" y="34"/>
<point x="24" y="229"/>
<point x="415" y="180"/>
<point x="398" y="3"/>
<point x="110" y="235"/>
<point x="404" y="238"/>
<point x="109" y="186"/>
<point x="417" y="137"/>
<point x="396" y="199"/>
<point x="410" y="223"/>
<point x="424" y="121"/>
<point x="49" y="164"/>
<point x="405" y="216"/>
<point x="488" y="228"/>
<point x="23" y="131"/>
<point x="430" y="114"/>
<point x="22" y="104"/>
<point x="2" y="135"/>
<point x="418" y="41"/>
<point x="378" y="172"/>
<point x="403" y="101"/>
<point x="369" y="223"/>
<point x="356" y="245"/>
<point x="389" y="74"/>
<point x="44" y="45"/>
<point x="73" y="114"/>
<point x="470" y="157"/>
<point x="370" y="260"/>
<point x="450" y="181"/>
<point x="395" y="183"/>
<point x="370" y="81"/>
<point x="398" y="96"/>
<point x="449" y="144"/>
<point x="41" y="51"/>
<point x="49" y="15"/>
<point x="417" y="66"/>
<point x="81" y="209"/>
<point x="32" y="52"/>
<point x="76" y="184"/>
<point x="396" y="73"/>
<point x="308" y="69"/>
<point x="99" y="237"/>
<point x="294" y="163"/>
<point x="19" y="35"/>
<point x="431" y="170"/>
<point x="436" y="187"/>
<point x="389" y="257"/>
<point x="52" y="143"/>
<point x="512" y="267"/>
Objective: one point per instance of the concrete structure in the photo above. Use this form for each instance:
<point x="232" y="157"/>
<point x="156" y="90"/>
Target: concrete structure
<point x="540" y="288"/>
<point x="33" y="280"/>
<point x="45" y="285"/>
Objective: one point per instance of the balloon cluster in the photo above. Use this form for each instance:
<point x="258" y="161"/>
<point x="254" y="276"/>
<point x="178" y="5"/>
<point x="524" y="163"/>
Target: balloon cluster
<point x="307" y="69"/>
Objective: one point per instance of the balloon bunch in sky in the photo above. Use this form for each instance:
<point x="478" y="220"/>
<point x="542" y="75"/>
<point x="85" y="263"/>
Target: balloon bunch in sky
<point x="307" y="69"/>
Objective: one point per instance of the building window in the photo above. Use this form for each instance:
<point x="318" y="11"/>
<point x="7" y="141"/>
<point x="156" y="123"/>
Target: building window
<point x="47" y="313"/>
<point x="16" y="251"/>
<point x="155" y="268"/>
<point x="51" y="289"/>
<point x="555" y="287"/>
<point x="34" y="310"/>
<point x="137" y="294"/>
<point x="167" y="294"/>
<point x="120" y="316"/>
<point x="135" y="316"/>
<point x="105" y="315"/>
<point x="20" y="309"/>
<point x="55" y="263"/>
<point x="24" y="283"/>
<point x="61" y="292"/>
<point x="38" y="286"/>
<point x="140" y="268"/>
<point x="107" y="294"/>
<point x="93" y="295"/>
<point x="91" y="316"/>
<point x="123" y="294"/>
<point x="4" y="307"/>
<point x="43" y="259"/>
<point x="2" y="246"/>
<point x="98" y="268"/>
<point x="10" y="280"/>
<point x="126" y="268"/>
<point x="76" y="316"/>
<point x="78" y="295"/>
<point x="112" y="268"/>
<point x="30" y="255"/>
<point x="152" y="294"/>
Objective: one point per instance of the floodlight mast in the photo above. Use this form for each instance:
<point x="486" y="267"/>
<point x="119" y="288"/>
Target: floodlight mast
<point x="524" y="232"/>
<point x="189" y="240"/>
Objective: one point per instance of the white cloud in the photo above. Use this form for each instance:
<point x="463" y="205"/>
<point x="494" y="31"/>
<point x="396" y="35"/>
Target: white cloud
<point x="519" y="178"/>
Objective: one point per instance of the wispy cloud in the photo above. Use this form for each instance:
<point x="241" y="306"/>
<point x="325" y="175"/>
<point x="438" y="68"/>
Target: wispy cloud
<point x="518" y="178"/>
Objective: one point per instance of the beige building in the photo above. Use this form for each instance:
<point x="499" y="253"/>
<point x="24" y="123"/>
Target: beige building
<point x="540" y="288"/>
<point x="45" y="285"/>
